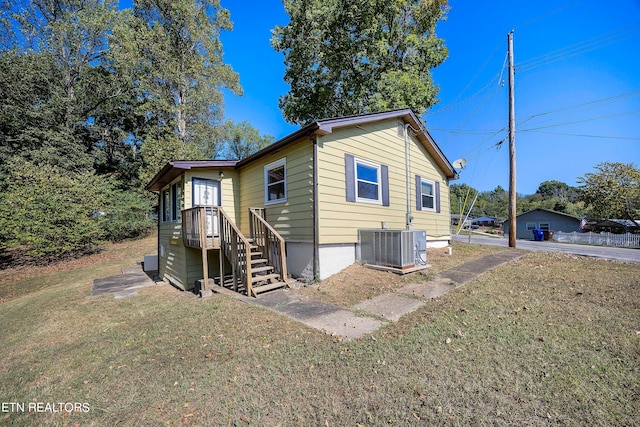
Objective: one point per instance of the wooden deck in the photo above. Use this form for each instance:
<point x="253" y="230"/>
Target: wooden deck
<point x="258" y="263"/>
<point x="200" y="227"/>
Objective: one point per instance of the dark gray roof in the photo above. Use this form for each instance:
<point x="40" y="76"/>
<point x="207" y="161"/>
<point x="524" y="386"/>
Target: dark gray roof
<point x="174" y="169"/>
<point x="546" y="210"/>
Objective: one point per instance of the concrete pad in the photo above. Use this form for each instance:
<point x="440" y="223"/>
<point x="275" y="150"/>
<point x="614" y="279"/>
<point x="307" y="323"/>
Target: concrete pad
<point x="486" y="263"/>
<point x="390" y="306"/>
<point x="274" y="299"/>
<point x="459" y="277"/>
<point x="127" y="293"/>
<point x="329" y="318"/>
<point x="308" y="310"/>
<point x="427" y="290"/>
<point x="472" y="269"/>
<point x="345" y="323"/>
<point x="133" y="279"/>
<point x="131" y="269"/>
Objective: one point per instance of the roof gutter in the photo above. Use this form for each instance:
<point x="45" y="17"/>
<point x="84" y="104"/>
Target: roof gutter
<point x="302" y="132"/>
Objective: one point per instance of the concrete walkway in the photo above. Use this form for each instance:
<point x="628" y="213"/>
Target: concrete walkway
<point x="370" y="315"/>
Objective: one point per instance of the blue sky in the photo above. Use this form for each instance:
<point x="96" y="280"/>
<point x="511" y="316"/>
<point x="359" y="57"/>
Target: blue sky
<point x="577" y="85"/>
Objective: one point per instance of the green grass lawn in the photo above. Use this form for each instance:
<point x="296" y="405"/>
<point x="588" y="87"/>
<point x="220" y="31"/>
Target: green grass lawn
<point x="547" y="340"/>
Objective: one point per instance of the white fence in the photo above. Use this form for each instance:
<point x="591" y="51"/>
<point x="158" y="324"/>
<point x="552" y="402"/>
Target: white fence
<point x="605" y="239"/>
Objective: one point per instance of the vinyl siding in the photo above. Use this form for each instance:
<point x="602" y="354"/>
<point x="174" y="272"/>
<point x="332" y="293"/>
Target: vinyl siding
<point x="293" y="219"/>
<point x="183" y="266"/>
<point x="379" y="143"/>
<point x="229" y="188"/>
<point x="194" y="264"/>
<point x="173" y="267"/>
<point x="557" y="222"/>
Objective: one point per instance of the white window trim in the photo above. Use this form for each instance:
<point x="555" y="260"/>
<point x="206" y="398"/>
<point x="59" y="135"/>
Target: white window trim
<point x="267" y="168"/>
<point x="535" y="226"/>
<point x="215" y="183"/>
<point x="548" y="224"/>
<point x="165" y="205"/>
<point x="378" y="168"/>
<point x="175" y="194"/>
<point x="433" y="187"/>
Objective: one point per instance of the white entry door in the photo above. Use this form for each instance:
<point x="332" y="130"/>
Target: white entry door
<point x="206" y="192"/>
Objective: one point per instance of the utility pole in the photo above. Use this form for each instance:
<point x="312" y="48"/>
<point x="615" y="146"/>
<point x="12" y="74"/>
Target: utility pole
<point x="512" y="148"/>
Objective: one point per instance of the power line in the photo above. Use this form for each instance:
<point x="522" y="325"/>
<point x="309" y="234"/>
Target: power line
<point x="475" y="109"/>
<point x="467" y="99"/>
<point x="585" y="136"/>
<point x="466" y="132"/>
<point x="531" y="21"/>
<point x="492" y="133"/>
<point x="581" y="121"/>
<point x="477" y="147"/>
<point x="477" y="74"/>
<point x="609" y="98"/>
<point x="588" y="45"/>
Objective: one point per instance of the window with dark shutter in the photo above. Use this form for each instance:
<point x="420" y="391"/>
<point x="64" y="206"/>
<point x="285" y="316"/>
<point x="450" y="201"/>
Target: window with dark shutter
<point x="366" y="181"/>
<point x="427" y="194"/>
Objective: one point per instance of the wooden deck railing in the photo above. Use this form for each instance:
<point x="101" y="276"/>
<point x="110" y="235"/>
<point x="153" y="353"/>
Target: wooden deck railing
<point x="270" y="243"/>
<point x="237" y="249"/>
<point x="200" y="227"/>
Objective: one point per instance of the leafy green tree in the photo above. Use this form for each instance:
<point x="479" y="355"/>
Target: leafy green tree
<point x="50" y="212"/>
<point x="346" y="57"/>
<point x="31" y="112"/>
<point x="173" y="50"/>
<point x="126" y="214"/>
<point x="461" y="194"/>
<point x="613" y="191"/>
<point x="559" y="190"/>
<point x="239" y="140"/>
<point x="53" y="213"/>
<point x="68" y="86"/>
<point x="75" y="33"/>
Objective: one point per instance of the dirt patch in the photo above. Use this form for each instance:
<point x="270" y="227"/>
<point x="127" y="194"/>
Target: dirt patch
<point x="356" y="283"/>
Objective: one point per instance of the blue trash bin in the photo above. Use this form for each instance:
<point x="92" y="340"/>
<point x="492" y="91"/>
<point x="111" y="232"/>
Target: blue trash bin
<point x="538" y="235"/>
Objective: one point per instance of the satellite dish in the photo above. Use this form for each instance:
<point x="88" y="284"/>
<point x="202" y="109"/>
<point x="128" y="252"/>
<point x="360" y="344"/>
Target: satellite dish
<point x="460" y="163"/>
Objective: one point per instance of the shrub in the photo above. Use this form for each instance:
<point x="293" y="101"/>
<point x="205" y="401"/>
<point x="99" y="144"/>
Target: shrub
<point x="51" y="212"/>
<point x="127" y="215"/>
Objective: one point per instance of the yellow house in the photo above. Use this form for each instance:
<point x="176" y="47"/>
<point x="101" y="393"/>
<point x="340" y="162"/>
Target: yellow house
<point x="296" y="207"/>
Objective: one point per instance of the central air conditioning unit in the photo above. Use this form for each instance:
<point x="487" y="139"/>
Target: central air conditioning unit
<point x="391" y="248"/>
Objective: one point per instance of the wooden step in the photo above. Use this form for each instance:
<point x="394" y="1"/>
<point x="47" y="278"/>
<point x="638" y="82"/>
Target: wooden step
<point x="259" y="260"/>
<point x="269" y="287"/>
<point x="264" y="277"/>
<point x="261" y="269"/>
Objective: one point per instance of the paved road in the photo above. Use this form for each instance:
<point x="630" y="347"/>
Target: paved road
<point x="619" y="254"/>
